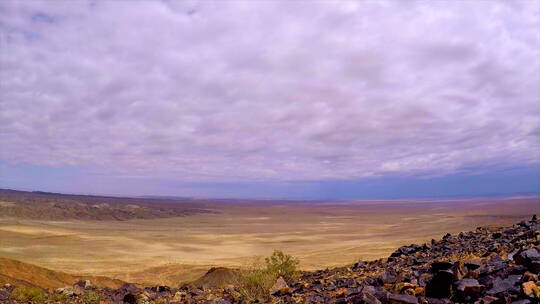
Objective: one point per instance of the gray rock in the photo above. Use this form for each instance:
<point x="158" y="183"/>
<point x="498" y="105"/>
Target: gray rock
<point x="529" y="258"/>
<point x="438" y="301"/>
<point x="369" y="298"/>
<point x="509" y="285"/>
<point x="279" y="284"/>
<point x="523" y="301"/>
<point x="280" y="287"/>
<point x="402" y="299"/>
<point x="369" y="289"/>
<point x="388" y="277"/>
<point x="468" y="288"/>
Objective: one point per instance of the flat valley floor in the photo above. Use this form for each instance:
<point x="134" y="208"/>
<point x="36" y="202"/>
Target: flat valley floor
<point x="169" y="251"/>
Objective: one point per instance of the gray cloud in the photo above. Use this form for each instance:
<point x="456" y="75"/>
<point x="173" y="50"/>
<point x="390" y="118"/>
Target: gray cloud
<point x="268" y="90"/>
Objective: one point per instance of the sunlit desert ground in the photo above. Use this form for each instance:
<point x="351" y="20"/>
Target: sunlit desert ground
<point x="180" y="249"/>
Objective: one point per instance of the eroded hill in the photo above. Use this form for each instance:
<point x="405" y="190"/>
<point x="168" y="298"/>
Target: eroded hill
<point x="18" y="274"/>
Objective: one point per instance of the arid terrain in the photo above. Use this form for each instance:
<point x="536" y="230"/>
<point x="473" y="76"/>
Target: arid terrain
<point x="169" y="250"/>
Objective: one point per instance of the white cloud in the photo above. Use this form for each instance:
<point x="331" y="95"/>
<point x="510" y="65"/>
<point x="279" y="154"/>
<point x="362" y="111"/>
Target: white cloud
<point x="267" y="90"/>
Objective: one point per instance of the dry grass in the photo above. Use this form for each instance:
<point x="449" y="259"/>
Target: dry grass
<point x="7" y="204"/>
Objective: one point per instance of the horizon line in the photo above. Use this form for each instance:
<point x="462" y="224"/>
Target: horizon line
<point x="194" y="198"/>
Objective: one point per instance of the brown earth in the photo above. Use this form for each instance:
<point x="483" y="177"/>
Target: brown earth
<point x="173" y="250"/>
<point x="488" y="265"/>
<point x="18" y="273"/>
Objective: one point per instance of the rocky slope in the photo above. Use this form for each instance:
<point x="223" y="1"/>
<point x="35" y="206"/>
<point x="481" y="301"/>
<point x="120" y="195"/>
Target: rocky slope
<point x="491" y="265"/>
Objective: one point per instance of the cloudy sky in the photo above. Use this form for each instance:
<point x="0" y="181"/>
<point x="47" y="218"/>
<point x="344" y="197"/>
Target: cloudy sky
<point x="270" y="99"/>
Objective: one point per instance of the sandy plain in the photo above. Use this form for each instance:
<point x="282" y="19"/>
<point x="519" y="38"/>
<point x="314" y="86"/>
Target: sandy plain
<point x="172" y="250"/>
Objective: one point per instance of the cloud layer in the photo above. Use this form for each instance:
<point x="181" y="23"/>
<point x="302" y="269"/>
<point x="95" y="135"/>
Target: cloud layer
<point x="270" y="91"/>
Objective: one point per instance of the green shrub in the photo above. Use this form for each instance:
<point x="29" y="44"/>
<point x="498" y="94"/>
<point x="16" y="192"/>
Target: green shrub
<point x="159" y="301"/>
<point x="57" y="298"/>
<point x="282" y="265"/>
<point x="91" y="298"/>
<point x="29" y="295"/>
<point x="255" y="281"/>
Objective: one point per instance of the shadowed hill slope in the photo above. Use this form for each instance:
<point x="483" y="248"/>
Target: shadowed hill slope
<point x="19" y="273"/>
<point x="55" y="206"/>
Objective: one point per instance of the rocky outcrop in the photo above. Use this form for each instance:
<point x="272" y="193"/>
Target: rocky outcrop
<point x="485" y="266"/>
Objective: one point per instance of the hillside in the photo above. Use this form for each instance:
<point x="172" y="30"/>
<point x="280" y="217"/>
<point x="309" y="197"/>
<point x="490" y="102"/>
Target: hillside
<point x="55" y="206"/>
<point x="169" y="274"/>
<point x="18" y="273"/>
<point x="490" y="265"/>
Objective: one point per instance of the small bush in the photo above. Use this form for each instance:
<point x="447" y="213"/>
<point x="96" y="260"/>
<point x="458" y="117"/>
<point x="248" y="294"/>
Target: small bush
<point x="282" y="265"/>
<point x="159" y="301"/>
<point x="91" y="298"/>
<point x="57" y="298"/>
<point x="256" y="280"/>
<point x="29" y="295"/>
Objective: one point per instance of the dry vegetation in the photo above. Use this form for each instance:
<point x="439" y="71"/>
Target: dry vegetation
<point x="255" y="281"/>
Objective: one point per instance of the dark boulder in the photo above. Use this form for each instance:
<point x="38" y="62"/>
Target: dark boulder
<point x="161" y="288"/>
<point x="529" y="258"/>
<point x="472" y="265"/>
<point x="130" y="299"/>
<point x="491" y="300"/>
<point x="129" y="288"/>
<point x="468" y="289"/>
<point x="496" y="235"/>
<point x="388" y="277"/>
<point x="369" y="298"/>
<point x="358" y="265"/>
<point x="440" y="285"/>
<point x="353" y="291"/>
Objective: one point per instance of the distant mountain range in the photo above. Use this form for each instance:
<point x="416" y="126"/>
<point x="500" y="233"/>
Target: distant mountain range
<point x="55" y="206"/>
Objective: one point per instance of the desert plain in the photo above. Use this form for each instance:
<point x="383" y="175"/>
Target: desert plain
<point x="179" y="249"/>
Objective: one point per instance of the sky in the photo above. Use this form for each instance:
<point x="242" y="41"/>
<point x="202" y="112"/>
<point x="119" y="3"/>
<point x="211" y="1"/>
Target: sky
<point x="284" y="99"/>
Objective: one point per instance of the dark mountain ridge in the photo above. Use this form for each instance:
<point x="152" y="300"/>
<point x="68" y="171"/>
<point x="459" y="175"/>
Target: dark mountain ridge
<point x="54" y="206"/>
